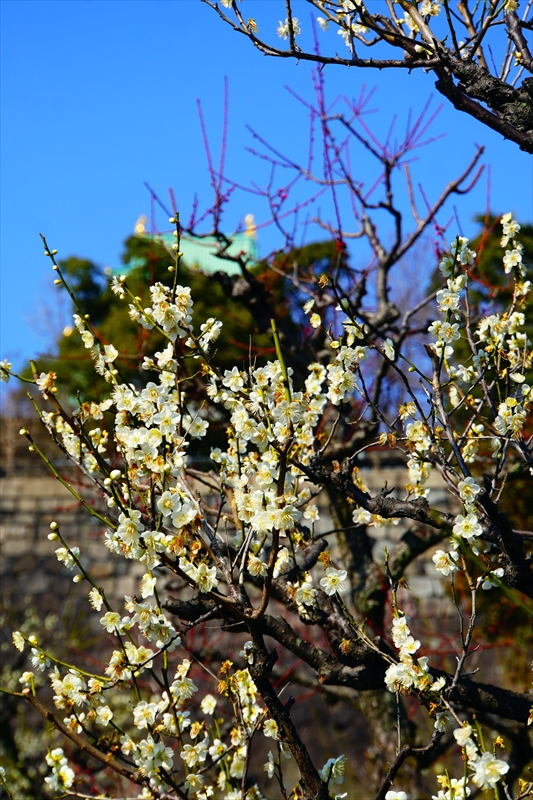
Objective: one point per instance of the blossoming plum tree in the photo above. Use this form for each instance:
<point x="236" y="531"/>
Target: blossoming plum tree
<point x="248" y="544"/>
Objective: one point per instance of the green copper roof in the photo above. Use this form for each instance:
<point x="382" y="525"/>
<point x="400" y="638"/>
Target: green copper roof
<point x="200" y="254"/>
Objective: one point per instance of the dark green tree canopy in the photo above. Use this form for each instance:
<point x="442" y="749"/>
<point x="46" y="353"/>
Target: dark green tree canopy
<point x="247" y="303"/>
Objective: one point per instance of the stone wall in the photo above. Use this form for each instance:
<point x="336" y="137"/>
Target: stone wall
<point x="29" y="567"/>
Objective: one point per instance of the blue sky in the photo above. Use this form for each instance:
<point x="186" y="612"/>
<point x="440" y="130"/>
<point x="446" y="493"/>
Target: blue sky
<point x="99" y="96"/>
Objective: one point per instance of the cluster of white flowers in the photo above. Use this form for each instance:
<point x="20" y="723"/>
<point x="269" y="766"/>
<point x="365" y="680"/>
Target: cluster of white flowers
<point x="455" y="788"/>
<point x="411" y="671"/>
<point x="350" y="29"/>
<point x="266" y="413"/>
<point x="497" y="336"/>
<point x="62" y="777"/>
<point x="305" y="595"/>
<point x="487" y="770"/>
<point x="284" y="28"/>
<point x="158" y="517"/>
<point x="342" y="378"/>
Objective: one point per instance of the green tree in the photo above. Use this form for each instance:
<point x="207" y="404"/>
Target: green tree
<point x="246" y="303"/>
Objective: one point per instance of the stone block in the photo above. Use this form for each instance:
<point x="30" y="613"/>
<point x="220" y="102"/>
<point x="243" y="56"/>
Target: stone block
<point x="102" y="569"/>
<point x="27" y="504"/>
<point x="421" y="586"/>
<point x="14" y="547"/>
<point x="13" y="531"/>
<point x="44" y="548"/>
<point x="34" y="583"/>
<point x="94" y="550"/>
<point x="126" y="585"/>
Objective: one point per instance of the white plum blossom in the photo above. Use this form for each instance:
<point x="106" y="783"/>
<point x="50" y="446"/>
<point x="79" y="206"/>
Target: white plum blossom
<point x="468" y="527"/>
<point x="104" y="715"/>
<point x="463" y="735"/>
<point x="493" y="579"/>
<point x="443" y="718"/>
<point x="208" y="704"/>
<point x="110" y="353"/>
<point x="511" y="259"/>
<point x="147" y="586"/>
<point x="388" y="348"/>
<point x="334" y="580"/>
<point x="283" y="563"/>
<point x="284" y="28"/>
<point x="27" y="679"/>
<point x="144" y="714"/>
<point x="270" y="729"/>
<point x="112" y="621"/>
<point x="5" y="367"/>
<point x="509" y="226"/>
<point x="468" y="490"/>
<point x="488" y="771"/>
<point x="270" y="766"/>
<point x="306" y="594"/>
<point x="458" y="789"/>
<point x="194" y="782"/>
<point x="195" y="755"/>
<point x="256" y="566"/>
<point x="39" y="659"/>
<point x="446" y="563"/>
<point x="205" y="577"/>
<point x="333" y="770"/>
<point x="68" y="556"/>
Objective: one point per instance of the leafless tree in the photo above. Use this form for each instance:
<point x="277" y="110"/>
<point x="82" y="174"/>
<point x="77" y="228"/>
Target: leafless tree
<point x="478" y="52"/>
